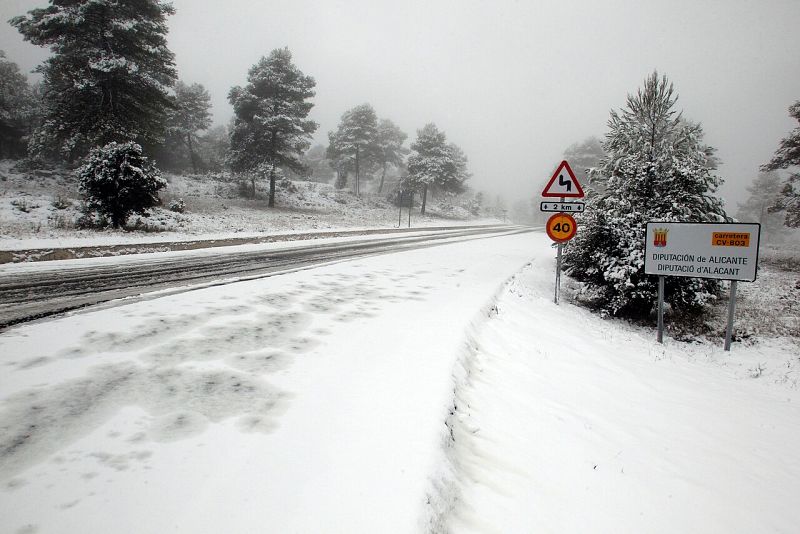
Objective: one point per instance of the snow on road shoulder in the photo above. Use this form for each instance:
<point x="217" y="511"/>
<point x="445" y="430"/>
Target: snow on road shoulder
<point x="565" y="422"/>
<point x="308" y="402"/>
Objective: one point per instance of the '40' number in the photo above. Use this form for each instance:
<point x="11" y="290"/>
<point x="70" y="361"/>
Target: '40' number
<point x="564" y="227"/>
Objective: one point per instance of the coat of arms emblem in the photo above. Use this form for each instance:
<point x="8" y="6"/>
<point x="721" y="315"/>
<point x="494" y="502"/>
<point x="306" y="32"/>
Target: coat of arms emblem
<point x="660" y="237"/>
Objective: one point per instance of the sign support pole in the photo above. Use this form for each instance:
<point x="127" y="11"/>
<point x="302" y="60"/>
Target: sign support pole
<point x="558" y="269"/>
<point x="400" y="216"/>
<point x="410" y="205"/>
<point x="558" y="273"/>
<point x="731" y="312"/>
<point x="661" y="309"/>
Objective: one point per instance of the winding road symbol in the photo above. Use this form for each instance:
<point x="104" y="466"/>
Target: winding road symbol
<point x="567" y="185"/>
<point x="563" y="182"/>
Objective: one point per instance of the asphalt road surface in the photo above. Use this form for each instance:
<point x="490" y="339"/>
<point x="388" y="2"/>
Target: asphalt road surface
<point x="32" y="295"/>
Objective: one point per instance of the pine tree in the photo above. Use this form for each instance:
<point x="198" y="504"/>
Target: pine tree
<point x="765" y="192"/>
<point x="271" y="130"/>
<point x="19" y="109"/>
<point x="583" y="157"/>
<point x="319" y="169"/>
<point x="455" y="182"/>
<point x="389" y="141"/>
<point x="353" y="145"/>
<point x="435" y="164"/>
<point x="109" y="74"/>
<point x="190" y="114"/>
<point x="212" y="148"/>
<point x="656" y="168"/>
<point x="788" y="156"/>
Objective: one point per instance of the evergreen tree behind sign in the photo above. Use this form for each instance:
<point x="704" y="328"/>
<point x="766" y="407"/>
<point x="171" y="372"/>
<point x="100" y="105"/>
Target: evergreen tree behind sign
<point x="656" y="168"/>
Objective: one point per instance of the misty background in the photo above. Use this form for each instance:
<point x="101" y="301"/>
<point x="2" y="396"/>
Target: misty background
<point x="512" y="83"/>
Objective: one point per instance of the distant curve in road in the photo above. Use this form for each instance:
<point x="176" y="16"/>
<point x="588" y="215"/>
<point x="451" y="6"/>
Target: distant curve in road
<point x="34" y="295"/>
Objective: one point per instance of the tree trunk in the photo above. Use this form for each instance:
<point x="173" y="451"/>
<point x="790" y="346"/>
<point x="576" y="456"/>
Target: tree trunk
<point x="271" y="203"/>
<point x="191" y="152"/>
<point x="273" y="157"/>
<point x="358" y="191"/>
<point x="424" y="199"/>
<point x="383" y="177"/>
<point x="253" y="186"/>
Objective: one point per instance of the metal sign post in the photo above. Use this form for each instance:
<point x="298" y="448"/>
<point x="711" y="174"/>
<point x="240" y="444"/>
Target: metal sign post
<point x="731" y="312"/>
<point x="558" y="273"/>
<point x="560" y="227"/>
<point x="558" y="267"/>
<point x="400" y="215"/>
<point x="410" y="205"/>
<point x="661" y="309"/>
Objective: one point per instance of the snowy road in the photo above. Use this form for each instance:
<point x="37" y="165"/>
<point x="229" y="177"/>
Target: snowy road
<point x="399" y="393"/>
<point x="310" y="402"/>
<point x="35" y="290"/>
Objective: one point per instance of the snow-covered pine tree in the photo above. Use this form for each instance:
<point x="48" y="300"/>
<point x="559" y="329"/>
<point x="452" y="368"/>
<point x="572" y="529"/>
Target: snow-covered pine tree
<point x="318" y="168"/>
<point x="19" y="109"/>
<point x="353" y="145"/>
<point x="436" y="165"/>
<point x="456" y="182"/>
<point x="584" y="156"/>
<point x="270" y="126"/>
<point x="118" y="180"/>
<point x="191" y="113"/>
<point x="656" y="168"/>
<point x="389" y="141"/>
<point x="108" y="76"/>
<point x="788" y="156"/>
<point x="765" y="192"/>
<point x="213" y="146"/>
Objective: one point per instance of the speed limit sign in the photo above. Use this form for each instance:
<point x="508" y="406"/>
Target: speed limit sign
<point x="561" y="227"/>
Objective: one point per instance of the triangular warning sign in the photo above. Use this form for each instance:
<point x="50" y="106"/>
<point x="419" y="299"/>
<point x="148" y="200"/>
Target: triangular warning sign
<point x="563" y="183"/>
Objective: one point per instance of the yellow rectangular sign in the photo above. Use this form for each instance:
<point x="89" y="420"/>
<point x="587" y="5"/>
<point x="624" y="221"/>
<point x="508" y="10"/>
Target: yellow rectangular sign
<point x="730" y="239"/>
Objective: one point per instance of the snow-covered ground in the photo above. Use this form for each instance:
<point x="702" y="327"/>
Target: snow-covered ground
<point x="408" y="392"/>
<point x="568" y="423"/>
<point x="309" y="402"/>
<point x="39" y="209"/>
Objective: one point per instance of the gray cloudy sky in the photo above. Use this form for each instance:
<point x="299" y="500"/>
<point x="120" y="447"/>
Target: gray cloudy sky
<point x="512" y="82"/>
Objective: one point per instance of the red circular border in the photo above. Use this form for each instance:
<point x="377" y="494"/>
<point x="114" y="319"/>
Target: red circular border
<point x="571" y="235"/>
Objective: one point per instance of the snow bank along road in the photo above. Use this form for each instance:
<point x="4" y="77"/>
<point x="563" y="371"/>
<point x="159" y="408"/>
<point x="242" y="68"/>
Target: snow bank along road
<point x="30" y="291"/>
<point x="310" y="402"/>
<point x="568" y="423"/>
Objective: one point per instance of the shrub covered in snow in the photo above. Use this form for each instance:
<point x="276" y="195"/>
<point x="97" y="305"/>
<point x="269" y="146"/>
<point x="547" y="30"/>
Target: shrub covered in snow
<point x="656" y="168"/>
<point x="178" y="206"/>
<point x="118" y="180"/>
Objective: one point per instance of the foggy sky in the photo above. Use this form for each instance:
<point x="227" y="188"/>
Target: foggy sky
<point x="512" y="82"/>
